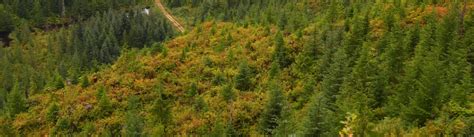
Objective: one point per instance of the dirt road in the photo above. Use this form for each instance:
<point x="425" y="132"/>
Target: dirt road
<point x="169" y="16"/>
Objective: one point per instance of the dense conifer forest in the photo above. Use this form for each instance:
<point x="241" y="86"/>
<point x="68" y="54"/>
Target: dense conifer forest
<point x="241" y="68"/>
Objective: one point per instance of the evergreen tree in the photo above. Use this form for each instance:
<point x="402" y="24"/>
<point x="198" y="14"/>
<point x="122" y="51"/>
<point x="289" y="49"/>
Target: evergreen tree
<point x="273" y="109"/>
<point x="356" y="36"/>
<point x="161" y="107"/>
<point x="360" y="91"/>
<point x="104" y="106"/>
<point x="243" y="79"/>
<point x="218" y="130"/>
<point x="24" y="7"/>
<point x="456" y="58"/>
<point x="281" y="54"/>
<point x="200" y="104"/>
<point x="330" y="89"/>
<point x="410" y="41"/>
<point x="53" y="112"/>
<point x="227" y="93"/>
<point x="36" y="12"/>
<point x="274" y="70"/>
<point x="308" y="90"/>
<point x="16" y="102"/>
<point x="218" y="79"/>
<point x="313" y="124"/>
<point x="193" y="90"/>
<point x="62" y="127"/>
<point x="7" y="22"/>
<point x="84" y="82"/>
<point x="286" y="123"/>
<point x="56" y="82"/>
<point x="332" y="81"/>
<point x="133" y="122"/>
<point x="22" y="34"/>
<point x="307" y="59"/>
<point x="423" y="83"/>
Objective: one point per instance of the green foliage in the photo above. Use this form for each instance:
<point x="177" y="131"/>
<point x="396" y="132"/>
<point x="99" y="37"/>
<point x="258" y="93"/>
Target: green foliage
<point x="6" y="128"/>
<point x="87" y="130"/>
<point x="359" y="91"/>
<point x="164" y="53"/>
<point x="52" y="114"/>
<point x="77" y="49"/>
<point x="218" y="130"/>
<point x="273" y="109"/>
<point x="16" y="102"/>
<point x="313" y="124"/>
<point x="200" y="104"/>
<point x="22" y="35"/>
<point x="280" y="55"/>
<point x="104" y="106"/>
<point x="183" y="55"/>
<point x="350" y="68"/>
<point x="243" y="80"/>
<point x="162" y="107"/>
<point x="227" y="93"/>
<point x="133" y="123"/>
<point x="274" y="70"/>
<point x="62" y="127"/>
<point x="3" y="101"/>
<point x="7" y="22"/>
<point x="425" y="72"/>
<point x="84" y="82"/>
<point x="218" y="79"/>
<point x="192" y="90"/>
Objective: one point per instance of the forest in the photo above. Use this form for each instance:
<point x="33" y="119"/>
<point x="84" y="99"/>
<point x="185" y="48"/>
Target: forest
<point x="376" y="68"/>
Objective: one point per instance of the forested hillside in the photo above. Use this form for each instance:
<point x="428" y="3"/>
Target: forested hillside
<point x="242" y="68"/>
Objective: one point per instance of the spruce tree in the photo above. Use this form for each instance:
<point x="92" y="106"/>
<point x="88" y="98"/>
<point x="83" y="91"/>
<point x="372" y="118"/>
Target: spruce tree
<point x="307" y="59"/>
<point x="227" y="93"/>
<point x="193" y="90"/>
<point x="52" y="114"/>
<point x="456" y="58"/>
<point x="7" y="23"/>
<point x="313" y="123"/>
<point x="274" y="70"/>
<point x="280" y="54"/>
<point x="62" y="127"/>
<point x="218" y="130"/>
<point x="161" y="107"/>
<point x="286" y="123"/>
<point x="200" y="104"/>
<point x="133" y="123"/>
<point x="22" y="34"/>
<point x="16" y="102"/>
<point x="361" y="89"/>
<point x="218" y="79"/>
<point x="273" y="109"/>
<point x="330" y="89"/>
<point x="84" y="82"/>
<point x="421" y="93"/>
<point x="332" y="81"/>
<point x="104" y="106"/>
<point x="243" y="79"/>
<point x="36" y="12"/>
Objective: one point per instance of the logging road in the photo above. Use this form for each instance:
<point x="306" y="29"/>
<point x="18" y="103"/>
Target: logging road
<point x="169" y="16"/>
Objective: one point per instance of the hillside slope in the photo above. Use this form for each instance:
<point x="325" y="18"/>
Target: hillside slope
<point x="188" y="60"/>
<point x="406" y="71"/>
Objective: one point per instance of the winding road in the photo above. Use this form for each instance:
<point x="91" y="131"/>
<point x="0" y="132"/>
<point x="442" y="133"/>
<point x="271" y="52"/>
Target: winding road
<point x="169" y="16"/>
